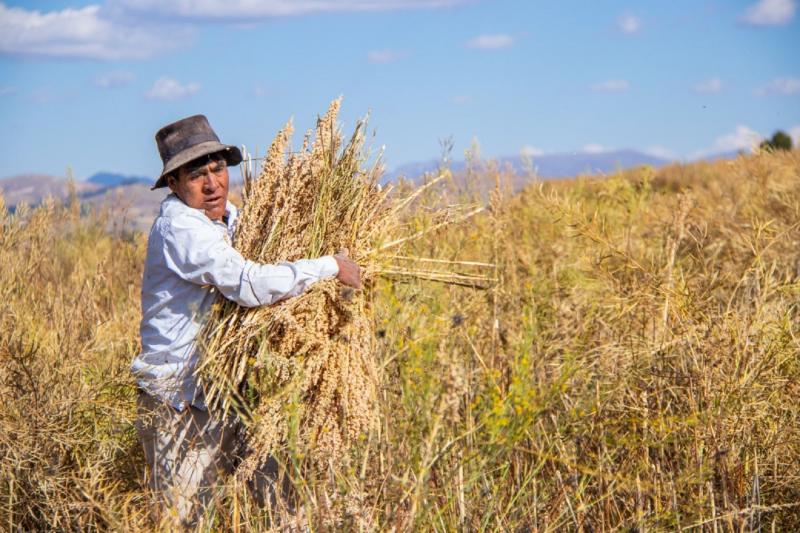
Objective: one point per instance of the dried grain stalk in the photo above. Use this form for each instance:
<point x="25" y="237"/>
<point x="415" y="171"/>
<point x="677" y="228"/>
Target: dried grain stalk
<point x="306" y="362"/>
<point x="303" y="370"/>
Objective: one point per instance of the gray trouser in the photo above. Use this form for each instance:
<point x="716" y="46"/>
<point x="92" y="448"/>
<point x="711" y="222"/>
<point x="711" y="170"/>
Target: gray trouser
<point x="187" y="453"/>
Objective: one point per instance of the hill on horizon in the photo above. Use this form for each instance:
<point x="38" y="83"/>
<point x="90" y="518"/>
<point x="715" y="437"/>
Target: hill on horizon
<point x="133" y="193"/>
<point x="555" y="165"/>
<point x="114" y="179"/>
<point x="130" y="198"/>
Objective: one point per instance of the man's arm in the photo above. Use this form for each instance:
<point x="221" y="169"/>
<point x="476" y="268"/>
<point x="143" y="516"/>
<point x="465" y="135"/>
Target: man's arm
<point x="198" y="253"/>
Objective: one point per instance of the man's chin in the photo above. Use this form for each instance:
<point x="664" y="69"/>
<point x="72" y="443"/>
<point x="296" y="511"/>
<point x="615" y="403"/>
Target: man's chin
<point x="216" y="213"/>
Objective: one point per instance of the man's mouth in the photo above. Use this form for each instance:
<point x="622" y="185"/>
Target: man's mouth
<point x="214" y="200"/>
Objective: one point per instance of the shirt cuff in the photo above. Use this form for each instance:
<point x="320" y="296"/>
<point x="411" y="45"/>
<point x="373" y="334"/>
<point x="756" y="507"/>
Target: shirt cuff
<point x="329" y="268"/>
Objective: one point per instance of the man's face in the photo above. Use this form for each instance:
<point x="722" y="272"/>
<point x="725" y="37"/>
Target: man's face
<point x="203" y="184"/>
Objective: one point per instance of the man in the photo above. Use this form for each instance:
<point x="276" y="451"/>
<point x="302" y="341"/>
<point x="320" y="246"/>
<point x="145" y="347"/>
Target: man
<point x="190" y="259"/>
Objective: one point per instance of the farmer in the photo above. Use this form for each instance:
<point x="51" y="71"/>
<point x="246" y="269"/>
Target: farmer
<point x="190" y="259"/>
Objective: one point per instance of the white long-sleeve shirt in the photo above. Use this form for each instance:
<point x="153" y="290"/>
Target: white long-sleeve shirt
<point x="189" y="259"/>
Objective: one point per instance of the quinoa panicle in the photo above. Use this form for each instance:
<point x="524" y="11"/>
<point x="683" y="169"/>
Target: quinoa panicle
<point x="304" y="369"/>
<point x="310" y="356"/>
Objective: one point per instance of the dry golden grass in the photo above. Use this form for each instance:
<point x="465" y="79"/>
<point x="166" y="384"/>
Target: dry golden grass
<point x="302" y="370"/>
<point x="69" y="456"/>
<point x="302" y="373"/>
<point x="635" y="367"/>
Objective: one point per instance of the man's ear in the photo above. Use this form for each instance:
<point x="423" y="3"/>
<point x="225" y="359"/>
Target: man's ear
<point x="172" y="182"/>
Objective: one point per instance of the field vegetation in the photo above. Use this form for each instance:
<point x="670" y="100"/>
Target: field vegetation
<point x="634" y="367"/>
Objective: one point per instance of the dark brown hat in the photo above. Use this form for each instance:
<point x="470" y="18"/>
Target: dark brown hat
<point x="186" y="140"/>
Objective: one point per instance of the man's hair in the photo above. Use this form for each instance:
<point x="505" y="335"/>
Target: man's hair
<point x="195" y="164"/>
<point x="202" y="161"/>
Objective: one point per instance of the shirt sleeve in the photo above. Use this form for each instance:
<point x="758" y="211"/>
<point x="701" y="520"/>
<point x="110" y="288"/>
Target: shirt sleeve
<point x="197" y="252"/>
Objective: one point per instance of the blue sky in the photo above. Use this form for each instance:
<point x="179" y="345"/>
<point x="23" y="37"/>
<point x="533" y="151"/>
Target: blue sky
<point x="87" y="83"/>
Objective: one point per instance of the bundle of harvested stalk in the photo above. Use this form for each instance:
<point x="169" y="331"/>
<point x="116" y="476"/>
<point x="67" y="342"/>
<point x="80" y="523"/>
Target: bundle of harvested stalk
<point x="303" y="370"/>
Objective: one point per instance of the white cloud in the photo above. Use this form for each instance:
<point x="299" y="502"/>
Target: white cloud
<point x="385" y="56"/>
<point x="743" y="138"/>
<point x="593" y="148"/>
<point x="249" y="9"/>
<point x="629" y="24"/>
<point x="611" y="86"/>
<point x="115" y="78"/>
<point x="138" y="29"/>
<point x="709" y="86"/>
<point x="167" y="88"/>
<point x="770" y="13"/>
<point x="44" y="96"/>
<point x="491" y="41"/>
<point x="6" y="90"/>
<point x="794" y="133"/>
<point x="259" y="91"/>
<point x="660" y="151"/>
<point x="784" y="86"/>
<point x="88" y="32"/>
<point x="531" y="151"/>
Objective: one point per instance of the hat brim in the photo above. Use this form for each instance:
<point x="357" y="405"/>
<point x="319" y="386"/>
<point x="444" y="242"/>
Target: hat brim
<point x="232" y="155"/>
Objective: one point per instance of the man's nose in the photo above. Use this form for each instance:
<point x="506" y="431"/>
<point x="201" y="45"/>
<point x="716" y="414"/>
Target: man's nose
<point x="210" y="183"/>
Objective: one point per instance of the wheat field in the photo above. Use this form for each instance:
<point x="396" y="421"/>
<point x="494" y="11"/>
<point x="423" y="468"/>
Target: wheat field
<point x="634" y="367"/>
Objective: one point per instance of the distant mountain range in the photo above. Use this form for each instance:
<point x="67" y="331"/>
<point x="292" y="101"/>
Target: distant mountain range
<point x="554" y="166"/>
<point x="137" y="205"/>
<point x="110" y="179"/>
<point x="130" y="199"/>
<point x="32" y="188"/>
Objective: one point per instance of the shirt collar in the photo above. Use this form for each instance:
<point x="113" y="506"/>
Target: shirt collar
<point x="173" y="203"/>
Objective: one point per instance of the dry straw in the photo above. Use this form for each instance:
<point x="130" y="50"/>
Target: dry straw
<point x="303" y="370"/>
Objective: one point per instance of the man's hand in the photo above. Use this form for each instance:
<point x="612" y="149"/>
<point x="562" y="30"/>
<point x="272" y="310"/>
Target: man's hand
<point x="349" y="272"/>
